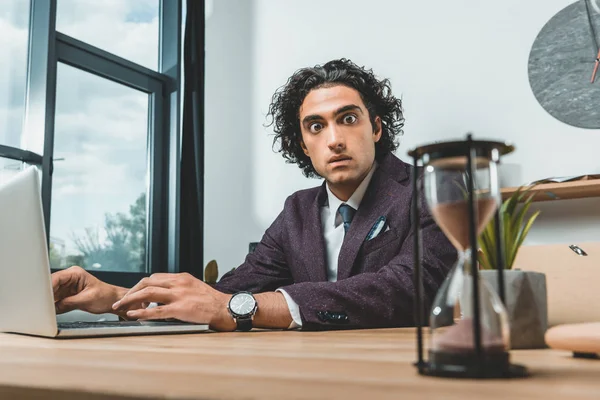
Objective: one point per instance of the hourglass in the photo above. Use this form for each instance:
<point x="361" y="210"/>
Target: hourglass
<point x="469" y="327"/>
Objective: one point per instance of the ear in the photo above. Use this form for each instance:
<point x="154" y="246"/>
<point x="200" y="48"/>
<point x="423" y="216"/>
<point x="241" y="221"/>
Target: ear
<point x="377" y="132"/>
<point x="304" y="149"/>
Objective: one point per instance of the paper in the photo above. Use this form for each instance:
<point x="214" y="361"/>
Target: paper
<point x="561" y="179"/>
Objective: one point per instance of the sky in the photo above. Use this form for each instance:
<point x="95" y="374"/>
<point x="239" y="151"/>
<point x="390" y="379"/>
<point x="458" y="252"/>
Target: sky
<point x="100" y="126"/>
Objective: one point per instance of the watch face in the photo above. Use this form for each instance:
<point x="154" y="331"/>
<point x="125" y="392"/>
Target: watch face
<point x="242" y="303"/>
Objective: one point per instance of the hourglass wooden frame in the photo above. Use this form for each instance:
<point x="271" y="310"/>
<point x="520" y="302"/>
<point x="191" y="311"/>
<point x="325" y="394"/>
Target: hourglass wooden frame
<point x="470" y="149"/>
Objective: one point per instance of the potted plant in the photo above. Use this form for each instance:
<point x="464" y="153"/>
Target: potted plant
<point x="526" y="301"/>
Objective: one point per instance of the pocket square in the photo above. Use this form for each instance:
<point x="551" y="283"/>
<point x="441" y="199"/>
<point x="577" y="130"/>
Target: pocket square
<point x="377" y="228"/>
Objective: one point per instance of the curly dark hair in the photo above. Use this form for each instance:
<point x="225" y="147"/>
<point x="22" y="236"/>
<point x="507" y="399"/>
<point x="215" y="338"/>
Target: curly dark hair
<point x="375" y="94"/>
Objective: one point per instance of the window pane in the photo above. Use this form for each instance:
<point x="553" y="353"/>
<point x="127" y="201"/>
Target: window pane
<point x="14" y="25"/>
<point x="98" y="217"/>
<point x="9" y="168"/>
<point x="127" y="28"/>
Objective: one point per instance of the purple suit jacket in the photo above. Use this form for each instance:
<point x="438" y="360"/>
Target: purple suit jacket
<point x="375" y="277"/>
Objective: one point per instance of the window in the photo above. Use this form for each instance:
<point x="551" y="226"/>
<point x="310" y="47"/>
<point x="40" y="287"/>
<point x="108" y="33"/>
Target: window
<point x="14" y="25"/>
<point x="103" y="123"/>
<point x="8" y="168"/>
<point x="126" y="28"/>
<point x="14" y="145"/>
<point x="100" y="174"/>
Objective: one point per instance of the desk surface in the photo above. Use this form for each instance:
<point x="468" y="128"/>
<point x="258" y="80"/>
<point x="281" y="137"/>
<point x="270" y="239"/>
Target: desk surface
<point x="363" y="364"/>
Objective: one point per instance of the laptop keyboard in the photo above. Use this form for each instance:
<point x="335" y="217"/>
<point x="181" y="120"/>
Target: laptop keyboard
<point x="114" y="324"/>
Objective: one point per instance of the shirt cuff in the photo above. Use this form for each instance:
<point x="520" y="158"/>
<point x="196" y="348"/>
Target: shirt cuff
<point x="294" y="310"/>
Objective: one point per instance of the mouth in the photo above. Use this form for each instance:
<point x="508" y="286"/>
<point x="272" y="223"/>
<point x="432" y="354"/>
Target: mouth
<point x="339" y="160"/>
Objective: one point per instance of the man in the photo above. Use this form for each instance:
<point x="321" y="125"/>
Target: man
<point x="339" y="255"/>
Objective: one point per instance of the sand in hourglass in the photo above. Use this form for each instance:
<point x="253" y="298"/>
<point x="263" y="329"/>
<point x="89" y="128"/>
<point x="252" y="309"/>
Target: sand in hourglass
<point x="459" y="339"/>
<point x="453" y="219"/>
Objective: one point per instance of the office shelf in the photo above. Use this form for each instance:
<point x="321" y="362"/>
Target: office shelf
<point x="560" y="191"/>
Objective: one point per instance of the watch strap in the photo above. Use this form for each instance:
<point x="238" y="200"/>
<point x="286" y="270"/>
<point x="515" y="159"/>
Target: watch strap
<point x="244" y="324"/>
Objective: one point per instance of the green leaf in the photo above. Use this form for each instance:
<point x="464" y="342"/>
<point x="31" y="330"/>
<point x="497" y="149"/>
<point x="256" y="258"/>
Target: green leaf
<point x="487" y="243"/>
<point x="517" y="222"/>
<point x="508" y="237"/>
<point x="511" y="203"/>
<point x="515" y="227"/>
<point x="524" y="233"/>
<point x="484" y="263"/>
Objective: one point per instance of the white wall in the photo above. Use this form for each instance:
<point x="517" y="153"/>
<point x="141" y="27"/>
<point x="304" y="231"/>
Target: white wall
<point x="230" y="221"/>
<point x="458" y="65"/>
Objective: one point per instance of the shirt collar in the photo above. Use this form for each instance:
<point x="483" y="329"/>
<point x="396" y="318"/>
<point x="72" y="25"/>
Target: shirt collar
<point x="354" y="200"/>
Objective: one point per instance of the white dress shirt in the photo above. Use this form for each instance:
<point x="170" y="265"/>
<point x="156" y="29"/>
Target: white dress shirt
<point x="333" y="232"/>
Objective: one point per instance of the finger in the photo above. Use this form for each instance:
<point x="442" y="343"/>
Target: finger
<point x="60" y="279"/>
<point x="161" y="280"/>
<point x="159" y="312"/>
<point x="63" y="306"/>
<point x="150" y="294"/>
<point x="65" y="283"/>
<point x="69" y="304"/>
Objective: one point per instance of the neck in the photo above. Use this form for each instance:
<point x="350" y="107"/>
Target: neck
<point x="343" y="191"/>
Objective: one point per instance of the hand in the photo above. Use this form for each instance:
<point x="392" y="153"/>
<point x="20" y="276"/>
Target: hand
<point x="75" y="288"/>
<point x="183" y="297"/>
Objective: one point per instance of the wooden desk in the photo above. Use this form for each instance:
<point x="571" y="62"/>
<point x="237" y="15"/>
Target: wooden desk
<point x="366" y="364"/>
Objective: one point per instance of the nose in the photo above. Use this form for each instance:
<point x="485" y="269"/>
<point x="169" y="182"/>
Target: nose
<point x="335" y="139"/>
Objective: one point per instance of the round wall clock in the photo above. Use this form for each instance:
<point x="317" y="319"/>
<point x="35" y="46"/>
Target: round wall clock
<point x="563" y="65"/>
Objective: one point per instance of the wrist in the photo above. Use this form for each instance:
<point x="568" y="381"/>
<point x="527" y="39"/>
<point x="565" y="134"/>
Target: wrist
<point x="273" y="311"/>
<point x="116" y="294"/>
<point x="223" y="321"/>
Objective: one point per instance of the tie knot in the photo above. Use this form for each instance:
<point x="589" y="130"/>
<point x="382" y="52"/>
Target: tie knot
<point x="347" y="214"/>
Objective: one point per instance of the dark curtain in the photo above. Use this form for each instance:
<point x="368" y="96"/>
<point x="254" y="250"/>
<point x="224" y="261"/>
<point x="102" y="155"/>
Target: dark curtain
<point x="192" y="145"/>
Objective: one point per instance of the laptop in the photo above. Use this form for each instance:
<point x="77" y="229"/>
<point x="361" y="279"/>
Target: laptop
<point x="26" y="297"/>
<point x="572" y="275"/>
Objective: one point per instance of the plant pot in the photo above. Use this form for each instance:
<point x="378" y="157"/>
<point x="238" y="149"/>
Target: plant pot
<point x="526" y="304"/>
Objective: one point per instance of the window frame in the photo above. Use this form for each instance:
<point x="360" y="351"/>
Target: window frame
<point x="26" y="156"/>
<point x="46" y="49"/>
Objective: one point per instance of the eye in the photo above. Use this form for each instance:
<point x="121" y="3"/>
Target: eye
<point x="349" y="119"/>
<point x="315" y="127"/>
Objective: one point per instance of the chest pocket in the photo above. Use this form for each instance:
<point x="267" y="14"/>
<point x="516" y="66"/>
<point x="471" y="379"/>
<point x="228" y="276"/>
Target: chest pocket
<point x="382" y="240"/>
<point x="377" y="253"/>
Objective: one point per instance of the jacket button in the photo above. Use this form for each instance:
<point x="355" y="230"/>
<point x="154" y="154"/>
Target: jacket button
<point x="322" y="315"/>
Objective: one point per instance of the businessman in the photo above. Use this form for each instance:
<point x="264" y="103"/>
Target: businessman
<point x="339" y="255"/>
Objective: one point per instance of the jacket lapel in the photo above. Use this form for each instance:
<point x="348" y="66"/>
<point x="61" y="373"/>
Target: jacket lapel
<point x="383" y="190"/>
<point x="315" y="253"/>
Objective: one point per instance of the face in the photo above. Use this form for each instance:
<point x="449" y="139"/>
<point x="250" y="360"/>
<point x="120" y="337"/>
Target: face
<point x="338" y="137"/>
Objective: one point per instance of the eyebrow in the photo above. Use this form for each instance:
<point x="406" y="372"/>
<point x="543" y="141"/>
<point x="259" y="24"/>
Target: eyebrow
<point x="341" y="110"/>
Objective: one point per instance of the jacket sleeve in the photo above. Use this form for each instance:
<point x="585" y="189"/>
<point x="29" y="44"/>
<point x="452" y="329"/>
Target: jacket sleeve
<point x="265" y="269"/>
<point x="378" y="299"/>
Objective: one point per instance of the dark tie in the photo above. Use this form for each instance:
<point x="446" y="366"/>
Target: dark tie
<point x="347" y="214"/>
